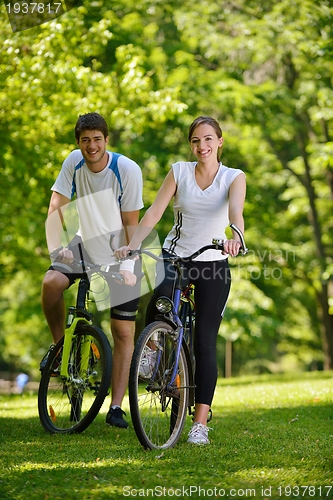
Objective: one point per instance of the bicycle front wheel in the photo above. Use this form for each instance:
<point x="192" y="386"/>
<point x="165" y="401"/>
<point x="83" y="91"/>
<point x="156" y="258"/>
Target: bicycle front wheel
<point x="158" y="394"/>
<point x="68" y="406"/>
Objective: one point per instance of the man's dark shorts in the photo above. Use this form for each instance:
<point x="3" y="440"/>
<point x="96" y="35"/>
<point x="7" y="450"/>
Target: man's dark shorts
<point x="125" y="297"/>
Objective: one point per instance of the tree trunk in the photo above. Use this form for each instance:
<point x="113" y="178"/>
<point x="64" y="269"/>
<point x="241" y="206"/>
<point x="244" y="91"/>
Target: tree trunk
<point x="326" y="319"/>
<point x="228" y="359"/>
<point x="326" y="326"/>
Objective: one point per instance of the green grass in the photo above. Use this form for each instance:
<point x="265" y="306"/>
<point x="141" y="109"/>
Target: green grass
<point x="269" y="433"/>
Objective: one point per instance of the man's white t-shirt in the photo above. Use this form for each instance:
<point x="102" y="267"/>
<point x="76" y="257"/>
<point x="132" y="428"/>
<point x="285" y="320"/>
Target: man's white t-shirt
<point x="199" y="214"/>
<point x="100" y="199"/>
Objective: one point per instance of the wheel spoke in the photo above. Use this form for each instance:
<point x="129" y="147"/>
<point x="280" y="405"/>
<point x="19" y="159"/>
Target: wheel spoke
<point x="70" y="405"/>
<point x="158" y="408"/>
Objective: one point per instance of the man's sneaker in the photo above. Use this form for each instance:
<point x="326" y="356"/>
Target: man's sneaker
<point x="55" y="368"/>
<point x="46" y="357"/>
<point x="115" y="418"/>
<point x="147" y="362"/>
<point x="198" y="434"/>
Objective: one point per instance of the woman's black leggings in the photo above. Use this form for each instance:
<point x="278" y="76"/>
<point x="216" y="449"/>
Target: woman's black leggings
<point x="212" y="282"/>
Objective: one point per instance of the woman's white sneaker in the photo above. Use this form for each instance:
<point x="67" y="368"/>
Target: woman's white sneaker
<point x="198" y="434"/>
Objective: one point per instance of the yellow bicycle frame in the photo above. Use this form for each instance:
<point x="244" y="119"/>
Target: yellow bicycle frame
<point x="85" y="346"/>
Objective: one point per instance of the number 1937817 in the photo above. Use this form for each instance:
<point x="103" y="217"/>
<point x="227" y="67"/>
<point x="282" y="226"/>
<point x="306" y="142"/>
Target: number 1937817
<point x="301" y="491"/>
<point x="33" y="8"/>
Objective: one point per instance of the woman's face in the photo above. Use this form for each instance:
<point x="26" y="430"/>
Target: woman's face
<point x="205" y="143"/>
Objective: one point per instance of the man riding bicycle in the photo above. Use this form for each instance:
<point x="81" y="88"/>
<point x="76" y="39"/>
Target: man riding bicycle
<point x="108" y="189"/>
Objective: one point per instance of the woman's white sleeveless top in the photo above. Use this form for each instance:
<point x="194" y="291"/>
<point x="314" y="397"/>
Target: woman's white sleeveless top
<point x="199" y="215"/>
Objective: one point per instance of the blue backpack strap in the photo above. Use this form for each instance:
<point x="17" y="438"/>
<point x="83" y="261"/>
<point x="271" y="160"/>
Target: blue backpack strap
<point x="79" y="165"/>
<point x="114" y="167"/>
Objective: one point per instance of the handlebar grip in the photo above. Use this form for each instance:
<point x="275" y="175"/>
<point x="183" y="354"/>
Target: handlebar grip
<point x="111" y="242"/>
<point x="120" y="277"/>
<point x="117" y="276"/>
<point x="244" y="250"/>
<point x="132" y="253"/>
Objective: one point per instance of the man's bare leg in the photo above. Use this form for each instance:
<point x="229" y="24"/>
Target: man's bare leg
<point x="53" y="304"/>
<point x="123" y="336"/>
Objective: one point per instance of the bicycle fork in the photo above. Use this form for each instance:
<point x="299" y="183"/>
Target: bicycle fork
<point x="84" y="349"/>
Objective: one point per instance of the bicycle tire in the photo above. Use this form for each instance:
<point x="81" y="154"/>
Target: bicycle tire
<point x="158" y="412"/>
<point x="67" y="407"/>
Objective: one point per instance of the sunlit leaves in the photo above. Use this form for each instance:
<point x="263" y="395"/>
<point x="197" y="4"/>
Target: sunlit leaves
<point x="263" y="69"/>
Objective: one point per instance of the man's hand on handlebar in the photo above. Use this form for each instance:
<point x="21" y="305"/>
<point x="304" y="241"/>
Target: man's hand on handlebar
<point x="65" y="256"/>
<point x="129" y="278"/>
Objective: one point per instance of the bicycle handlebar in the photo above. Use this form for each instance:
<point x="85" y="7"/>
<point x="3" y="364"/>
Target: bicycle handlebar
<point x="244" y="250"/>
<point x="217" y="244"/>
<point x="90" y="267"/>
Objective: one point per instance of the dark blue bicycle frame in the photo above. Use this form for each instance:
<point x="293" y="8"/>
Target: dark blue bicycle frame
<point x="180" y="326"/>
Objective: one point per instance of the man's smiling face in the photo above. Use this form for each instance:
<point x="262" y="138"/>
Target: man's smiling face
<point x="92" y="144"/>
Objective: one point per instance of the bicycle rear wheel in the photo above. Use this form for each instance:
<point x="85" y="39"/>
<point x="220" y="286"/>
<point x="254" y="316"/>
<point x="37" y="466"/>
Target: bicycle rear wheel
<point x="68" y="406"/>
<point x="158" y="405"/>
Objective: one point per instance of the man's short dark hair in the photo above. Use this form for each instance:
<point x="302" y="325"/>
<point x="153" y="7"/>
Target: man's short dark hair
<point x="91" y="121"/>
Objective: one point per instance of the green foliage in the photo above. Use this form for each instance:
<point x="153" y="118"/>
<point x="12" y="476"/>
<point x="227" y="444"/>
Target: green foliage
<point x="263" y="69"/>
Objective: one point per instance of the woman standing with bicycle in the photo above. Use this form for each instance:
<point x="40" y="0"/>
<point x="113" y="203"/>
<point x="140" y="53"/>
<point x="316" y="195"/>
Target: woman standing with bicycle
<point x="207" y="196"/>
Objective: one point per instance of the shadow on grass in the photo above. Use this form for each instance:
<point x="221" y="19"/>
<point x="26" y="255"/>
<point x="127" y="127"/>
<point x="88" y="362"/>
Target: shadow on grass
<point x="251" y="449"/>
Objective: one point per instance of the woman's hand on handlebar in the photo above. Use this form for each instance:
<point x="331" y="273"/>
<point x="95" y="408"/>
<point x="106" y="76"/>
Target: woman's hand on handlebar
<point x="122" y="252"/>
<point x="231" y="247"/>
